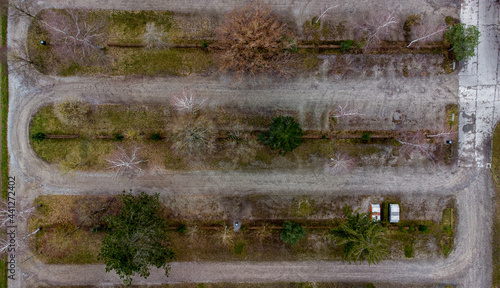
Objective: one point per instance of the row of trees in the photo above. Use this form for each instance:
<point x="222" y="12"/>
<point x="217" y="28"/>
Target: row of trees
<point x="194" y="134"/>
<point x="137" y="238"/>
<point x="250" y="41"/>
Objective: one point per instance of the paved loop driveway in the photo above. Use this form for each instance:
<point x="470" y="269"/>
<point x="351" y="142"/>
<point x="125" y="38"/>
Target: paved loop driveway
<point x="469" y="265"/>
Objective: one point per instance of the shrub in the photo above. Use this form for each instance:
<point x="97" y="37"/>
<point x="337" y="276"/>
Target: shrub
<point x="193" y="135"/>
<point x="241" y="149"/>
<point x="38" y="136"/>
<point x="72" y="112"/>
<point x="365" y="137"/>
<point x="423" y="228"/>
<point x="238" y="248"/>
<point x="411" y="229"/>
<point x="155" y="137"/>
<point x="292" y="233"/>
<point x="181" y="229"/>
<point x="412" y="20"/>
<point x="463" y="39"/>
<point x="370" y="285"/>
<point x="284" y="134"/>
<point x="118" y="137"/>
<point x="409" y="250"/>
<point x="347" y="45"/>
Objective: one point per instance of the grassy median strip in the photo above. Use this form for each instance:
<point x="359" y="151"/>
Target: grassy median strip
<point x="4" y="102"/>
<point x="4" y="91"/>
<point x="73" y="229"/>
<point x="495" y="170"/>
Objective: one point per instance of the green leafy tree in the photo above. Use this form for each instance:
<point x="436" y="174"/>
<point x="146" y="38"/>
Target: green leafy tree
<point x="292" y="233"/>
<point x="363" y="239"/>
<point x="284" y="134"/>
<point x="136" y="239"/>
<point x="463" y="39"/>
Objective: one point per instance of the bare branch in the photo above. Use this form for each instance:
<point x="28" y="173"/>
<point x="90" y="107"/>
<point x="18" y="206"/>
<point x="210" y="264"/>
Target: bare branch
<point x="445" y="132"/>
<point x="186" y="101"/>
<point x="22" y="8"/>
<point x="227" y="236"/>
<point x="414" y="142"/>
<point x="193" y="136"/>
<point x="341" y="163"/>
<point x="324" y="12"/>
<point x="344" y="111"/>
<point x="75" y="33"/>
<point x="154" y="37"/>
<point x="377" y="27"/>
<point x="126" y="163"/>
<point x="425" y="32"/>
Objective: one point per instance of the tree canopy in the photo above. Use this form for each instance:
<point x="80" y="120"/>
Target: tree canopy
<point x="252" y="41"/>
<point x="284" y="134"/>
<point x="136" y="239"/>
<point x="463" y="39"/>
<point x="292" y="233"/>
<point x="363" y="239"/>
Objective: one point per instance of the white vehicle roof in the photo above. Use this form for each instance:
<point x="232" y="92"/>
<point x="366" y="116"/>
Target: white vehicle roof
<point x="393" y="213"/>
<point x="375" y="208"/>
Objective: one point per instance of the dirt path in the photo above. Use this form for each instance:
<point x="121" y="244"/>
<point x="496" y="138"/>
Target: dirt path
<point x="468" y="266"/>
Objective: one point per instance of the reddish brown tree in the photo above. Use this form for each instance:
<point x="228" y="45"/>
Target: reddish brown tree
<point x="252" y="41"/>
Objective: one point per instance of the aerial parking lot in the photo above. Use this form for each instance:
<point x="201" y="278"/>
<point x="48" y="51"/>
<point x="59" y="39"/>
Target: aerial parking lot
<point x="242" y="144"/>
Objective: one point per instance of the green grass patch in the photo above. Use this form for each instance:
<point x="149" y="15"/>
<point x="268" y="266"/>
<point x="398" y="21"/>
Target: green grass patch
<point x="408" y="249"/>
<point x="495" y="170"/>
<point x="73" y="228"/>
<point x="96" y="128"/>
<point x="3" y="271"/>
<point x="4" y="91"/>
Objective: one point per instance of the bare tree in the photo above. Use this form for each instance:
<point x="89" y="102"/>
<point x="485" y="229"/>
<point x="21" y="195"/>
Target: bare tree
<point x="73" y="112"/>
<point x="193" y="136"/>
<point x="154" y="37"/>
<point x="126" y="163"/>
<point x="18" y="62"/>
<point x="324" y="11"/>
<point x="227" y="236"/>
<point x="75" y="33"/>
<point x="186" y="100"/>
<point x="15" y="243"/>
<point x="426" y="32"/>
<point x="241" y="147"/>
<point x="412" y="142"/>
<point x="192" y="231"/>
<point x="263" y="233"/>
<point x="22" y="8"/>
<point x="341" y="163"/>
<point x="344" y="111"/>
<point x="7" y="213"/>
<point x="378" y="27"/>
<point x="445" y="132"/>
